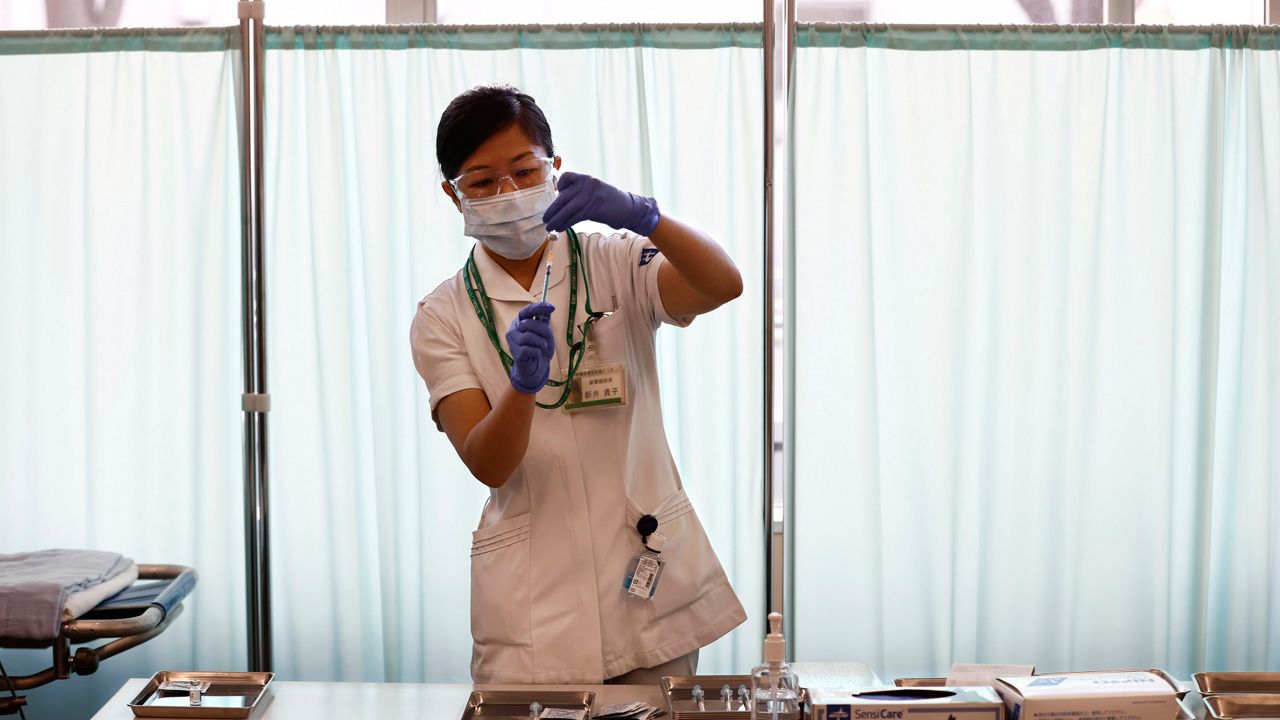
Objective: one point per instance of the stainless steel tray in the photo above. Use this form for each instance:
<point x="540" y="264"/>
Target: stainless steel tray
<point x="1178" y="689"/>
<point x="679" y="692"/>
<point x="920" y="682"/>
<point x="1254" y="706"/>
<point x="515" y="703"/>
<point x="230" y="695"/>
<point x="1219" y="683"/>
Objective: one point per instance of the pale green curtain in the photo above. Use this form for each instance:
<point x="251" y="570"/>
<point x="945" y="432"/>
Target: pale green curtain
<point x="120" y="368"/>
<point x="371" y="508"/>
<point x="1037" y="314"/>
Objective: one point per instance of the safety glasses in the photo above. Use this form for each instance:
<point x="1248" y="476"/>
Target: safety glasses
<point x="525" y="174"/>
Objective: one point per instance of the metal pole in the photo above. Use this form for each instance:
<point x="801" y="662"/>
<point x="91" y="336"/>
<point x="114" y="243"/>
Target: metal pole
<point x="1118" y="12"/>
<point x="410" y="11"/>
<point x="787" y="572"/>
<point x="768" y="309"/>
<point x="256" y="402"/>
<point x="774" y="472"/>
<point x="777" y="294"/>
<point x="261" y="528"/>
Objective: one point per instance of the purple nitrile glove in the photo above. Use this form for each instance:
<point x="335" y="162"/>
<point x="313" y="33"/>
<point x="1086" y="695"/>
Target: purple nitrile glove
<point x="583" y="197"/>
<point x="532" y="345"/>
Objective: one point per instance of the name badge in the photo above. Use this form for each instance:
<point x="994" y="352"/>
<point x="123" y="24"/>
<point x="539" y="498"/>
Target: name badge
<point x="598" y="385"/>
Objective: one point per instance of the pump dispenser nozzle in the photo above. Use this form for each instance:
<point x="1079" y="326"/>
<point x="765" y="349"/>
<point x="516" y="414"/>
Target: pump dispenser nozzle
<point x="775" y="645"/>
<point x="774" y="687"/>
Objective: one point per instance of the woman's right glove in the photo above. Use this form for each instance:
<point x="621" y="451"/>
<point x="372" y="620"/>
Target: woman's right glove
<point x="532" y="344"/>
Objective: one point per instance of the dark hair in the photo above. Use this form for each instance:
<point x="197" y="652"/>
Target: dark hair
<point x="480" y="113"/>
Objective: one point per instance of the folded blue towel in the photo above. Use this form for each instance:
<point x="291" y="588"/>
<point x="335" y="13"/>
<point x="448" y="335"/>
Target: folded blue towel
<point x="34" y="585"/>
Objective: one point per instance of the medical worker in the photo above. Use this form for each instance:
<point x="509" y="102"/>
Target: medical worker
<point x="589" y="564"/>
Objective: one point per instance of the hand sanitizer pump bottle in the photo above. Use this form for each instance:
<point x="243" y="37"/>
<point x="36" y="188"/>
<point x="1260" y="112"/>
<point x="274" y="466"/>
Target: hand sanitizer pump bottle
<point x="774" y="687"/>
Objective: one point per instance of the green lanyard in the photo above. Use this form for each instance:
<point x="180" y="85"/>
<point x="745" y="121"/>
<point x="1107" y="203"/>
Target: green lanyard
<point x="484" y="310"/>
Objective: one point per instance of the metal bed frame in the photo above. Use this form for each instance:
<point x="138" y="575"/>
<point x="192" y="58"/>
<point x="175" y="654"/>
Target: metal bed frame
<point x="130" y="627"/>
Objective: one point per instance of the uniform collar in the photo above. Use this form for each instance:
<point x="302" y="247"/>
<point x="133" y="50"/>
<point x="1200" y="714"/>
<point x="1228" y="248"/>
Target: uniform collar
<point x="498" y="285"/>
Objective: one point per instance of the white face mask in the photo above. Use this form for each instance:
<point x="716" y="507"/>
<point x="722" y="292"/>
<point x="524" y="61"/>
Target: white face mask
<point x="510" y="224"/>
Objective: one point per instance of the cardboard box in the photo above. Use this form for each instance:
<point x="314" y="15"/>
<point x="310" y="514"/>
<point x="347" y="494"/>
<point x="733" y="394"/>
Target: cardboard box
<point x="894" y="703"/>
<point x="1089" y="696"/>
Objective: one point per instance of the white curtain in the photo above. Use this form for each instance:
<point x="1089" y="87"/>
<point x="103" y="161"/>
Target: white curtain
<point x="120" y="365"/>
<point x="371" y="508"/>
<point x="1038" y="354"/>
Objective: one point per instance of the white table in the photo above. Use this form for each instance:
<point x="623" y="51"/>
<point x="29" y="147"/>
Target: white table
<point x="380" y="701"/>
<point x="408" y="701"/>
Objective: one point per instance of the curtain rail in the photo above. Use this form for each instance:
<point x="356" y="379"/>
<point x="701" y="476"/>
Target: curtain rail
<point x="511" y="37"/>
<point x="664" y="36"/>
<point x="750" y="35"/>
<point x="1038" y="37"/>
<point x="120" y="32"/>
<point x="64" y="41"/>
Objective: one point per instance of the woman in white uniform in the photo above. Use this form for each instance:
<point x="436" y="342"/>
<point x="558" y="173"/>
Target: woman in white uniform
<point x="555" y="406"/>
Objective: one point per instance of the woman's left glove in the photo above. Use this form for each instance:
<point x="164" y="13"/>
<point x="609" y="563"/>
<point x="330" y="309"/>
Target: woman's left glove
<point x="532" y="346"/>
<point x="583" y="197"/>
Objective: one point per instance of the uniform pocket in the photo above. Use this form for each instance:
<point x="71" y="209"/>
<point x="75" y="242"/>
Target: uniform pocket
<point x="690" y="565"/>
<point x="500" y="624"/>
<point x="607" y="337"/>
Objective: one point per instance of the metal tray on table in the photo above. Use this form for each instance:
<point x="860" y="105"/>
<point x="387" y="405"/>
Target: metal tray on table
<point x="230" y="695"/>
<point x="514" y="704"/>
<point x="1244" y="706"/>
<point x="679" y="693"/>
<point x="920" y="682"/>
<point x="1220" y="683"/>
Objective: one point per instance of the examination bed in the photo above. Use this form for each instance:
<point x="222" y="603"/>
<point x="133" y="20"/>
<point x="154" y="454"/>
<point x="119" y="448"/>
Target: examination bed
<point x="132" y="616"/>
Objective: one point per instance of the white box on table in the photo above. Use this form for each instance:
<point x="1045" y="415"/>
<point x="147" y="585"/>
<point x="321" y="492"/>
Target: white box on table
<point x="1089" y="696"/>
<point x="893" y="703"/>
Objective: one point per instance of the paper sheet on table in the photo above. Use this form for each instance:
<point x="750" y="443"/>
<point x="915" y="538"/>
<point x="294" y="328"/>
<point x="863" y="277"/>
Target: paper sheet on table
<point x="622" y="710"/>
<point x="968" y="674"/>
<point x="564" y="714"/>
<point x="629" y="711"/>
